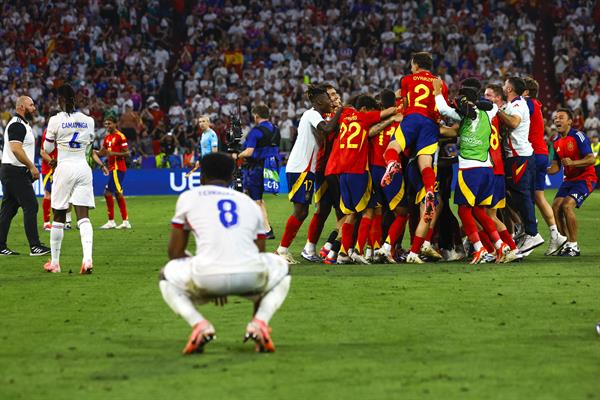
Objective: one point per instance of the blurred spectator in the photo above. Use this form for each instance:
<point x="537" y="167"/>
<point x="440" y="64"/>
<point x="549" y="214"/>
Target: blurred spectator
<point x="129" y="122"/>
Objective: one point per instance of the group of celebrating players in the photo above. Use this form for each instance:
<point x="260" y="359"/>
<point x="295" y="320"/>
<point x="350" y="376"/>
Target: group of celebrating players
<point x="374" y="162"/>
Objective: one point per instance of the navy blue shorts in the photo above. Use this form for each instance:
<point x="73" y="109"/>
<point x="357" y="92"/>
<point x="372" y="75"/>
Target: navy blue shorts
<point x="541" y="163"/>
<point x="414" y="182"/>
<point x="394" y="194"/>
<point x="326" y="190"/>
<point x="355" y="192"/>
<point x="474" y="187"/>
<point x="253" y="182"/>
<point x="47" y="182"/>
<point x="499" y="192"/>
<point x="300" y="187"/>
<point x="115" y="181"/>
<point x="577" y="190"/>
<point x="419" y="132"/>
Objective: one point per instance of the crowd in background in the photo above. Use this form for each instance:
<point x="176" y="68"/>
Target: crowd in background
<point x="125" y="55"/>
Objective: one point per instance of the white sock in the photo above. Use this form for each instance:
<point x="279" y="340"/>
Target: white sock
<point x="309" y="248"/>
<point x="387" y="247"/>
<point x="331" y="254"/>
<point x="498" y="243"/>
<point x="553" y="231"/>
<point x="413" y="254"/>
<point x="68" y="217"/>
<point x="56" y="236"/>
<point x="477" y="245"/>
<point x="273" y="300"/>
<point x="282" y="250"/>
<point x="87" y="237"/>
<point x="112" y="221"/>
<point x="180" y="303"/>
<point x="426" y="243"/>
<point x="572" y="245"/>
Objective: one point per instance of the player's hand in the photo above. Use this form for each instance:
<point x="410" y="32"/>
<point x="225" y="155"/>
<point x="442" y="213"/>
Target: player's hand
<point x="234" y="156"/>
<point x="52" y="163"/>
<point x="35" y="174"/>
<point x="397" y="117"/>
<point x="567" y="162"/>
<point x="105" y="170"/>
<point x="437" y="86"/>
<point x="220" y="301"/>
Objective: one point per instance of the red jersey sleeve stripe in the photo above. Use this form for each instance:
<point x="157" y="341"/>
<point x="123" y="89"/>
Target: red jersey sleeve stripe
<point x="177" y="225"/>
<point x="261" y="236"/>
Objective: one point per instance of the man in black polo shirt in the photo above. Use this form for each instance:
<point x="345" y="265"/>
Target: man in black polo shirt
<point x="17" y="174"/>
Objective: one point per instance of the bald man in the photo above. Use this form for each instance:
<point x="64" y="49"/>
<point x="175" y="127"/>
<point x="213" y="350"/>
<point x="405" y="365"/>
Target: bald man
<point x="17" y="174"/>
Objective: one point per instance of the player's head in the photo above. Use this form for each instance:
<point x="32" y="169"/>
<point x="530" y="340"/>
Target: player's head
<point x="110" y="121"/>
<point x="563" y="120"/>
<point x="334" y="97"/>
<point x="25" y="107"/>
<point x="387" y="98"/>
<point x="204" y="122"/>
<point x="66" y="98"/>
<point x="366" y="103"/>
<point x="472" y="82"/>
<point x="216" y="168"/>
<point x="260" y="112"/>
<point x="494" y="93"/>
<point x="532" y="87"/>
<point x="513" y="87"/>
<point x="319" y="98"/>
<point x="421" y="61"/>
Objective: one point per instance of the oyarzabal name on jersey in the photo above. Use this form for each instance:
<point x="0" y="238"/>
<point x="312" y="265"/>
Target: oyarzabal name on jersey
<point x="75" y="124"/>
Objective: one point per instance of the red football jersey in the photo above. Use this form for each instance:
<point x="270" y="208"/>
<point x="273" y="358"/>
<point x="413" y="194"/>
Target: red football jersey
<point x="331" y="167"/>
<point x="116" y="142"/>
<point x="378" y="144"/>
<point x="496" y="148"/>
<point x="575" y="145"/>
<point x="45" y="166"/>
<point x="418" y="91"/>
<point x="352" y="143"/>
<point x="536" y="128"/>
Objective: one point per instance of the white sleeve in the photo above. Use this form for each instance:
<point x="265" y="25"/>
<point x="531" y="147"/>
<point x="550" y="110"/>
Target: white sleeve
<point x="492" y="113"/>
<point x="179" y="220"/>
<point x="445" y="109"/>
<point x="51" y="133"/>
<point x="314" y="118"/>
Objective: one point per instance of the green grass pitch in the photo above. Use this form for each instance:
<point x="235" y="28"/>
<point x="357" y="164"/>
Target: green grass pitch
<point x="438" y="331"/>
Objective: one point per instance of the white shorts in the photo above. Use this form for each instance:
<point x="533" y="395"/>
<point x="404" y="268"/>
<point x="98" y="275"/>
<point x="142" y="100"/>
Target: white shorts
<point x="72" y="183"/>
<point x="224" y="281"/>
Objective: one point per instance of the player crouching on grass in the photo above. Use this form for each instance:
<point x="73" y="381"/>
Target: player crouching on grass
<point x="475" y="186"/>
<point x="573" y="150"/>
<point x="219" y="216"/>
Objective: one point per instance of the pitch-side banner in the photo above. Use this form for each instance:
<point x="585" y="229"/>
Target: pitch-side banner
<point x="142" y="182"/>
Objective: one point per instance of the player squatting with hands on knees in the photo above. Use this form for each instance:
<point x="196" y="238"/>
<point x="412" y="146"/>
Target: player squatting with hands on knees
<point x="217" y="216"/>
<point x="72" y="133"/>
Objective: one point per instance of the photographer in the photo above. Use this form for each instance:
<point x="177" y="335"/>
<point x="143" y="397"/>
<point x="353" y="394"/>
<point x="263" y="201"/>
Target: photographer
<point x="262" y="142"/>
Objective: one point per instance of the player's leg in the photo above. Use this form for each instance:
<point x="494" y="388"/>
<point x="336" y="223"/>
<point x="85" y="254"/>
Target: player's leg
<point x="110" y="203"/>
<point x="8" y="210"/>
<point x="273" y="296"/>
<point x="559" y="216"/>
<point x="82" y="199"/>
<point x="364" y="228"/>
<point x="119" y="179"/>
<point x="317" y="222"/>
<point x="46" y="204"/>
<point x="571" y="248"/>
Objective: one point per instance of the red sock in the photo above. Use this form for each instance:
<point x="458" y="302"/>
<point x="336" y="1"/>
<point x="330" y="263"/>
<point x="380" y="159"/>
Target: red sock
<point x="46" y="210"/>
<point x="397" y="229"/>
<point x="428" y="176"/>
<point x="363" y="234"/>
<point x="507" y="238"/>
<point x="122" y="207"/>
<point x="487" y="223"/>
<point x="291" y="229"/>
<point x="487" y="243"/>
<point x="110" y="206"/>
<point x="390" y="155"/>
<point x="429" y="235"/>
<point x="376" y="232"/>
<point x="347" y="233"/>
<point x="416" y="244"/>
<point x="465" y="213"/>
<point x="315" y="228"/>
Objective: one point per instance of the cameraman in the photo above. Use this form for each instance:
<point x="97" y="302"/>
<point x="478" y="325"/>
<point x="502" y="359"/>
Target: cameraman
<point x="262" y="142"/>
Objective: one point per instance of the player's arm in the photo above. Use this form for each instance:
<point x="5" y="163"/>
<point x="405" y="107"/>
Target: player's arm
<point x="512" y="121"/>
<point x="98" y="161"/>
<point x="178" y="242"/>
<point x="441" y="103"/>
<point x="380" y="126"/>
<point x="586" y="161"/>
<point x="324" y="128"/>
<point x="250" y="144"/>
<point x="553" y="168"/>
<point x="449" y="131"/>
<point x="261" y="243"/>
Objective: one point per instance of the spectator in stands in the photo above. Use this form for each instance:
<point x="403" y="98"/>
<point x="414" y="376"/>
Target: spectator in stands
<point x="129" y="122"/>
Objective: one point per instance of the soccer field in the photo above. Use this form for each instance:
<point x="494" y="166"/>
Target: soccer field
<point x="438" y="331"/>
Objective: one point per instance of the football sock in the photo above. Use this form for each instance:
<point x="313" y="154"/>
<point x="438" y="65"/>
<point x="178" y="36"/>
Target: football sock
<point x="428" y="237"/>
<point x="122" y="207"/>
<point x="428" y="176"/>
<point x="390" y="155"/>
<point x="498" y="243"/>
<point x="416" y="244"/>
<point x="315" y="228"/>
<point x="375" y="233"/>
<point x="68" y="217"/>
<point x="477" y="245"/>
<point x="180" y="303"/>
<point x="465" y="213"/>
<point x="87" y="237"/>
<point x="397" y="229"/>
<point x="485" y="240"/>
<point x="553" y="231"/>
<point x="508" y="239"/>
<point x="309" y="248"/>
<point x="347" y="232"/>
<point x="110" y="206"/>
<point x="56" y="236"/>
<point x="487" y="223"/>
<point x="363" y="234"/>
<point x="274" y="298"/>
<point x="291" y="229"/>
<point x="46" y="209"/>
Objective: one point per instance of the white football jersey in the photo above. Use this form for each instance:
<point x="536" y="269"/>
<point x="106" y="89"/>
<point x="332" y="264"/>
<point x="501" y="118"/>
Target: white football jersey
<point x="225" y="224"/>
<point x="72" y="134"/>
<point x="303" y="156"/>
<point x="517" y="142"/>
